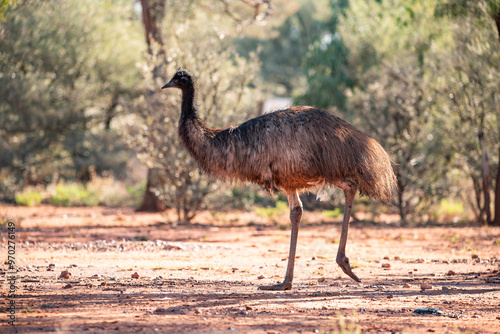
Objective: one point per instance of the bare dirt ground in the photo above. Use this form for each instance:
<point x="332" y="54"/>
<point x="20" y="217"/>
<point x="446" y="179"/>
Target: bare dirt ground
<point x="111" y="270"/>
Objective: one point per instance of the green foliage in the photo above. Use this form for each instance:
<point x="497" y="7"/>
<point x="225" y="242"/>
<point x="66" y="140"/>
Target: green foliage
<point x="326" y="63"/>
<point x="73" y="195"/>
<point x="333" y="213"/>
<point x="29" y="197"/>
<point x="274" y="214"/>
<point x="282" y="55"/>
<point x="136" y="193"/>
<point x="62" y="82"/>
<point x="451" y="208"/>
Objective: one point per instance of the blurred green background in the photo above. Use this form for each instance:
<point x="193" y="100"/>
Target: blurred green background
<point x="82" y="120"/>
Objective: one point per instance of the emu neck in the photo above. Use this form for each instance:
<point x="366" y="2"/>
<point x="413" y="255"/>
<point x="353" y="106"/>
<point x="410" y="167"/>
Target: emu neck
<point x="188" y="109"/>
<point x="192" y="130"/>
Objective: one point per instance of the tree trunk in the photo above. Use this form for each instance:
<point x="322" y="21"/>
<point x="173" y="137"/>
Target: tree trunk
<point x="401" y="204"/>
<point x="486" y="180"/>
<point x="496" y="221"/>
<point x="152" y="13"/>
<point x="151" y="202"/>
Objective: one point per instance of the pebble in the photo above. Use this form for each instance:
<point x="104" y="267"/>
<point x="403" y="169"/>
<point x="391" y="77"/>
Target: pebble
<point x="406" y="286"/>
<point x="135" y="275"/>
<point x="261" y="277"/>
<point x="451" y="273"/>
<point x="425" y="286"/>
<point x="65" y="274"/>
<point x="386" y="265"/>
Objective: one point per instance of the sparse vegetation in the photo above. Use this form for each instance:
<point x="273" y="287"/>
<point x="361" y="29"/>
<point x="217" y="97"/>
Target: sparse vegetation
<point x="336" y="213"/>
<point x="105" y="191"/>
<point x="274" y="214"/>
<point x="29" y="197"/>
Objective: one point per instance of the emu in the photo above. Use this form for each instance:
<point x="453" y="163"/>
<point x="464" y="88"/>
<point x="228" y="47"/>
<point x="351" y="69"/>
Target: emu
<point x="289" y="150"/>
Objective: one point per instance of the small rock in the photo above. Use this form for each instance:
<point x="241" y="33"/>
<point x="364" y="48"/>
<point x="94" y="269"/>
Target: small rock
<point x="321" y="279"/>
<point x="445" y="288"/>
<point x="406" y="286"/>
<point x="386" y="257"/>
<point x="425" y="286"/>
<point x="451" y="273"/>
<point x="475" y="256"/>
<point x="198" y="311"/>
<point x="390" y="296"/>
<point x="397" y="258"/>
<point x="67" y="286"/>
<point x="135" y="275"/>
<point x="386" y="265"/>
<point x="161" y="310"/>
<point x="65" y="274"/>
<point x="248" y="308"/>
<point x="433" y="311"/>
<point x="261" y="277"/>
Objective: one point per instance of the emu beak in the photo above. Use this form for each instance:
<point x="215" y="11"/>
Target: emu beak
<point x="169" y="84"/>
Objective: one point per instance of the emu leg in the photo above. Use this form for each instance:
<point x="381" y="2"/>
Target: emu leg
<point x="349" y="189"/>
<point x="295" y="215"/>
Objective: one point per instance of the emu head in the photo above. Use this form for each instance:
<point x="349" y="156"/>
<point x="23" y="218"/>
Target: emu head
<point x="181" y="79"/>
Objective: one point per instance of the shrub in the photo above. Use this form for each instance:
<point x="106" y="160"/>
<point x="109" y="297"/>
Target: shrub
<point x="333" y="213"/>
<point x="29" y="197"/>
<point x="111" y="192"/>
<point x="74" y="195"/>
<point x="279" y="212"/>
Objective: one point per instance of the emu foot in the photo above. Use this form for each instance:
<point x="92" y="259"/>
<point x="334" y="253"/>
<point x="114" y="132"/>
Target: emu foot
<point x="277" y="287"/>
<point x="343" y="262"/>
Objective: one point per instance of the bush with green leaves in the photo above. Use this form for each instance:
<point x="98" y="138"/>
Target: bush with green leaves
<point x="73" y="195"/>
<point x="29" y="197"/>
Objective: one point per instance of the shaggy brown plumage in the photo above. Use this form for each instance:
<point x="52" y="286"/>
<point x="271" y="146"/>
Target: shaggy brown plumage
<point x="291" y="150"/>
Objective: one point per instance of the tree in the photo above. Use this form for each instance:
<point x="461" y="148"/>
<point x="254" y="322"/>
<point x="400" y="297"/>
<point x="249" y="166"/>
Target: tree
<point x="474" y="78"/>
<point x="153" y="12"/>
<point x="282" y="55"/>
<point x="61" y="84"/>
<point x="326" y="63"/>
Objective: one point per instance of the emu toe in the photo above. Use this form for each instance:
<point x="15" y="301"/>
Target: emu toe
<point x="343" y="262"/>
<point x="278" y="287"/>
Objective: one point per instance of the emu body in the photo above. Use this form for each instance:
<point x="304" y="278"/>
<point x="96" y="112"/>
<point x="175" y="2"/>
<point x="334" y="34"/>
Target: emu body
<point x="289" y="150"/>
